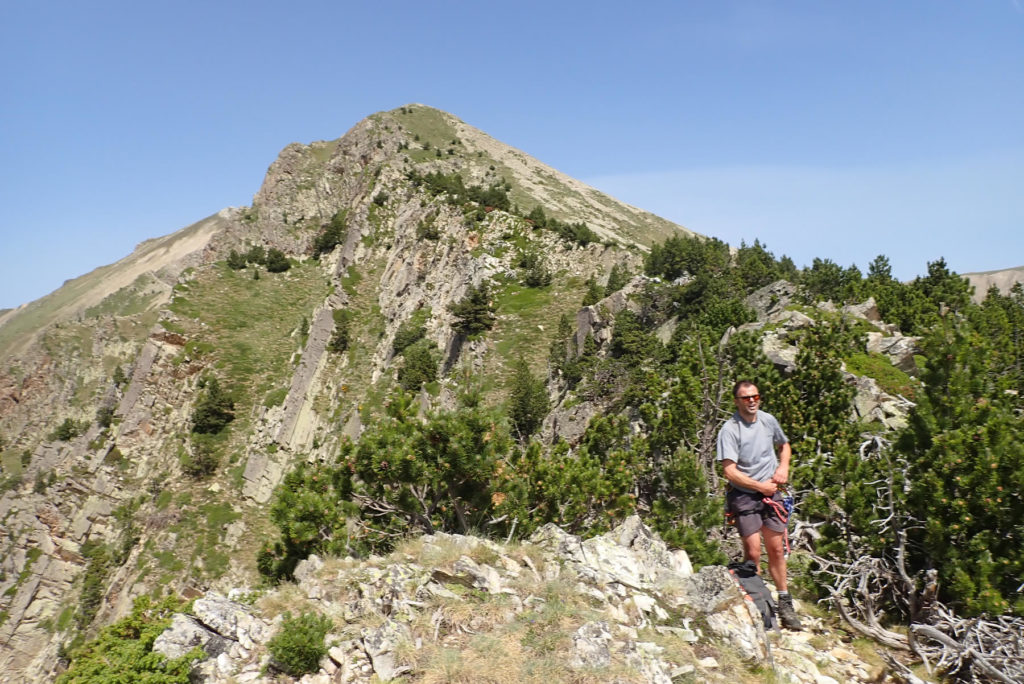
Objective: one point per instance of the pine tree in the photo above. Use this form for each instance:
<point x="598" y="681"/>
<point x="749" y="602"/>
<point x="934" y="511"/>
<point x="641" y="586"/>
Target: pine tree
<point x="420" y="365"/>
<point x="213" y="410"/>
<point x="277" y="262"/>
<point x="617" y="279"/>
<point x="332" y="235"/>
<point x="966" y="473"/>
<point x="474" y="313"/>
<point x="755" y="266"/>
<point x="341" y="337"/>
<point x="235" y="261"/>
<point x="528" y="401"/>
<point x="594" y="292"/>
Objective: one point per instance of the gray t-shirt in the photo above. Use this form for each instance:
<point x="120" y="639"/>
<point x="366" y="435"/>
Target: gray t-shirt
<point x="751" y="445"/>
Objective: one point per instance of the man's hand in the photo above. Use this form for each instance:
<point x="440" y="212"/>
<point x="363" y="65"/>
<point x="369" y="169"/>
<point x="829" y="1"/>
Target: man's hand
<point x="781" y="475"/>
<point x="733" y="475"/>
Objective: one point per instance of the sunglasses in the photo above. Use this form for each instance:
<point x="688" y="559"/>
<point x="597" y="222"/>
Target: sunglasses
<point x="750" y="397"/>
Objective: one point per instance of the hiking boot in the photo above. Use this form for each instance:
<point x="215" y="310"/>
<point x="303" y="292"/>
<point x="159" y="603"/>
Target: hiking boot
<point x="787" y="614"/>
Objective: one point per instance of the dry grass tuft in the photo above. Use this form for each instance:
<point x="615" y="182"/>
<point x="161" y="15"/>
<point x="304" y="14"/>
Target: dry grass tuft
<point x="287" y="598"/>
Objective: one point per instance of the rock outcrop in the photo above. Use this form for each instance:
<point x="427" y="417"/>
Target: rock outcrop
<point x="629" y="609"/>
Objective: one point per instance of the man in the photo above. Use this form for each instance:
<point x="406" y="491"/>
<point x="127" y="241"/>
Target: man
<point x="755" y="452"/>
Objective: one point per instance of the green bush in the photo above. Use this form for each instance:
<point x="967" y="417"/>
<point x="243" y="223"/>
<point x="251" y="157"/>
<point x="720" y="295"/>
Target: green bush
<point x="213" y="410"/>
<point x="67" y="431"/>
<point x="410" y="474"/>
<point x="104" y="416"/>
<point x="593" y="294"/>
<point x="299" y="646"/>
<point x="204" y="457"/>
<point x="332" y="235"/>
<point x="420" y="365"/>
<point x="474" y="313"/>
<point x="535" y="272"/>
<point x="94" y="580"/>
<point x="411" y="331"/>
<point x="528" y="401"/>
<point x="427" y="229"/>
<point x="256" y="255"/>
<point x="340" y="339"/>
<point x="617" y="279"/>
<point x="277" y="262"/>
<point x="236" y="261"/>
<point x="123" y="651"/>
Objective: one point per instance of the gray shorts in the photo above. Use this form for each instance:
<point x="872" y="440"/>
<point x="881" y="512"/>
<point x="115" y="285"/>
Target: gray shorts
<point x="752" y="513"/>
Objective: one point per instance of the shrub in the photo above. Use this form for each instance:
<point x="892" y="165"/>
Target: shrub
<point x="256" y="255"/>
<point x="95" y="576"/>
<point x="594" y="293"/>
<point x="411" y="330"/>
<point x="535" y="271"/>
<point x="617" y="279"/>
<point x="426" y="229"/>
<point x="277" y="262"/>
<point x="213" y="410"/>
<point x="67" y="430"/>
<point x="236" y="261"/>
<point x="123" y="651"/>
<point x="104" y="416"/>
<point x="341" y="337"/>
<point x="528" y="401"/>
<point x="332" y="235"/>
<point x="474" y="313"/>
<point x="420" y="365"/>
<point x="203" y="458"/>
<point x="299" y="646"/>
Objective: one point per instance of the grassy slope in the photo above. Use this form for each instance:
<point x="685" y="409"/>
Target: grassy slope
<point x="19" y="327"/>
<point x="247" y="332"/>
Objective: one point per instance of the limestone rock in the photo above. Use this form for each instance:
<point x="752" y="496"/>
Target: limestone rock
<point x="867" y="310"/>
<point x="771" y="299"/>
<point x="380" y="645"/>
<point x="590" y="646"/>
<point x="231" y="620"/>
<point x="186" y="633"/>
<point x="898" y="348"/>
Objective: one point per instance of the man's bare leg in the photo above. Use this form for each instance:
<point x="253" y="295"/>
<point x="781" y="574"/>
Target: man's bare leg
<point x="752" y="549"/>
<point x="773" y="542"/>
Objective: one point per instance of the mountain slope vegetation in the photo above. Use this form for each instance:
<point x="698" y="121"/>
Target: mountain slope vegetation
<point x="417" y="329"/>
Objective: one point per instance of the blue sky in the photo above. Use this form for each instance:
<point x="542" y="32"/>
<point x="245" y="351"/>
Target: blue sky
<point x="824" y="128"/>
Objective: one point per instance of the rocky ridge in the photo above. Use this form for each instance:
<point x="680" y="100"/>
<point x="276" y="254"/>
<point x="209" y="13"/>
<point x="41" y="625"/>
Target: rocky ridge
<point x="620" y="607"/>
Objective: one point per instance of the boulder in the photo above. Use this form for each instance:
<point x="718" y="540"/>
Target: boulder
<point x="186" y="633"/>
<point x="898" y="348"/>
<point x="380" y="644"/>
<point x="231" y="620"/>
<point x="771" y="299"/>
<point x="867" y="310"/>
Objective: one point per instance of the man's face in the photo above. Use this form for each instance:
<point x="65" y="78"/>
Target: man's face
<point x="747" y="399"/>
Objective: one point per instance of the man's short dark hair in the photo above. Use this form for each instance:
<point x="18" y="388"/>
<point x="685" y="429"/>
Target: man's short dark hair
<point x="740" y="384"/>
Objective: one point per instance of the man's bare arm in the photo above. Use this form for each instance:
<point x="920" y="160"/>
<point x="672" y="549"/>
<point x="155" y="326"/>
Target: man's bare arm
<point x="781" y="475"/>
<point x="732" y="474"/>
